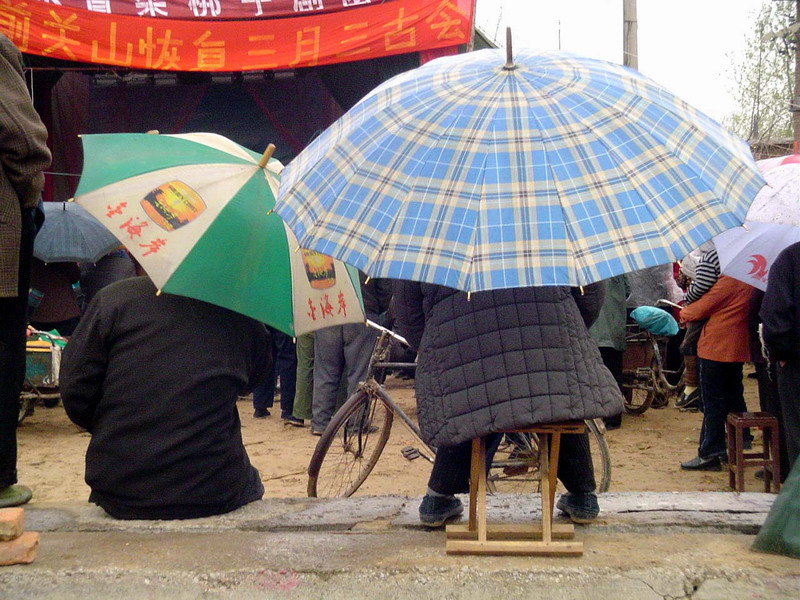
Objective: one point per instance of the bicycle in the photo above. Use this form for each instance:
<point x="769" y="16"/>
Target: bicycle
<point x="353" y="441"/>
<point x="645" y="380"/>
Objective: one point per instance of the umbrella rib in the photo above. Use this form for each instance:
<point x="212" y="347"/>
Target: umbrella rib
<point x="445" y="109"/>
<point x="455" y="119"/>
<point x="689" y="115"/>
<point x="564" y="171"/>
<point x="631" y="174"/>
<point x="572" y="238"/>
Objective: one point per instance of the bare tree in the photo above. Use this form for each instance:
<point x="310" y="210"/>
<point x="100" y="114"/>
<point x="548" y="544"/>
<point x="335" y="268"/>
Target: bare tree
<point x="764" y="81"/>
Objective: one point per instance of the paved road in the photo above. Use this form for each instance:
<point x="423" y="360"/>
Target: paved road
<point x="646" y="545"/>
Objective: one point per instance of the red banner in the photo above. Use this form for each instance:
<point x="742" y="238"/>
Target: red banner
<point x="396" y="27"/>
<point x="213" y="9"/>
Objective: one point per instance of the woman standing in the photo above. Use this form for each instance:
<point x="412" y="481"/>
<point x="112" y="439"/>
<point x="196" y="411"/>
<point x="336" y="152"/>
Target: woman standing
<point x="722" y="350"/>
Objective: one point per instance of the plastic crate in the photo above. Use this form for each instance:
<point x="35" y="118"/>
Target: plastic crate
<point x="42" y="364"/>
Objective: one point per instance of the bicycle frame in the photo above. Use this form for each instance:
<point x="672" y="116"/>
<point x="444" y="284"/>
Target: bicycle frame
<point x="349" y="434"/>
<point x="650" y="377"/>
<point x="371" y="386"/>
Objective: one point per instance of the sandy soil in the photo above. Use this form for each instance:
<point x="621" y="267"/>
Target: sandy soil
<point x="645" y="453"/>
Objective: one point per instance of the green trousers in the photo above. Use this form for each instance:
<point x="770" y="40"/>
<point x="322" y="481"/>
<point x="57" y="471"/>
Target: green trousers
<point x="304" y="392"/>
<point x="305" y="377"/>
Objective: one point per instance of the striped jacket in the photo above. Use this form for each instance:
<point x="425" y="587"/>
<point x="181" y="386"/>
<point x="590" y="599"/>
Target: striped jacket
<point x="23" y="157"/>
<point x="705" y="276"/>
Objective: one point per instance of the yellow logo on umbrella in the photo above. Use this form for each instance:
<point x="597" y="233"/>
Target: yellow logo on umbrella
<point x="320" y="270"/>
<point x="172" y="205"/>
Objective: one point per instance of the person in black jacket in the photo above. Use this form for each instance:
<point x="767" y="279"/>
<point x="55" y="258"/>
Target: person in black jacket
<point x="780" y="315"/>
<point x="500" y="360"/>
<point x="154" y="379"/>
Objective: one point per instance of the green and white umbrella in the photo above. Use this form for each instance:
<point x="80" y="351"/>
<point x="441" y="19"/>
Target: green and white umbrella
<point x="196" y="211"/>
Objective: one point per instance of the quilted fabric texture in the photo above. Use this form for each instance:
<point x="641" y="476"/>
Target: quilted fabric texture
<point x="501" y="360"/>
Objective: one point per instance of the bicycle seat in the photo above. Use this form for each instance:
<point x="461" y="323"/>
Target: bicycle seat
<point x="655" y="320"/>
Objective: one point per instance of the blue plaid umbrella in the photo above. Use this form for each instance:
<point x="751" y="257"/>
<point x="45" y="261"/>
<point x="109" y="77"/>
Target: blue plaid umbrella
<point x="555" y="170"/>
<point x="71" y="234"/>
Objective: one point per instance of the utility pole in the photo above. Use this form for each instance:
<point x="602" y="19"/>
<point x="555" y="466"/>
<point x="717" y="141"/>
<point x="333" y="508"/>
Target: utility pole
<point x="630" y="32"/>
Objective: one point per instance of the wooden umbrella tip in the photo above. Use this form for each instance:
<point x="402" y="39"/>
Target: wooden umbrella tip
<point x="267" y="155"/>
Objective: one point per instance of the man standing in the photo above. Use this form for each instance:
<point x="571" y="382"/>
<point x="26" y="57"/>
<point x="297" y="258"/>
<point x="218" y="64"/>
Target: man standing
<point x="344" y="351"/>
<point x="608" y="331"/>
<point x="154" y="379"/>
<point x="780" y="315"/>
<point x="23" y="157"/>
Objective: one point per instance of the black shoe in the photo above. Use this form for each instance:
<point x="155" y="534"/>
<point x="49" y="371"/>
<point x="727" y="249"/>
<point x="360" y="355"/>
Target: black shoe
<point x="689" y="402"/>
<point x="703" y="464"/>
<point x="435" y="511"/>
<point x="260" y="414"/>
<point x="317" y="432"/>
<point x="581" y="508"/>
<point x="293" y="421"/>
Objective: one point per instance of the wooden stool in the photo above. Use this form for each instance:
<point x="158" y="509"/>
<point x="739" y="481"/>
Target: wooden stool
<point x="479" y="537"/>
<point x="738" y="459"/>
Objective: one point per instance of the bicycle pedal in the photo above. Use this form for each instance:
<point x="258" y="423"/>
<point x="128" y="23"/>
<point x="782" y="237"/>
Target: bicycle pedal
<point x="515" y="471"/>
<point x="410" y="453"/>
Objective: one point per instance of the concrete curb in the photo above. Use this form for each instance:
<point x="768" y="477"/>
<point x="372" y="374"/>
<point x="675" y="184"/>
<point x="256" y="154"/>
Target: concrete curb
<point x="620" y="511"/>
<point x="645" y="546"/>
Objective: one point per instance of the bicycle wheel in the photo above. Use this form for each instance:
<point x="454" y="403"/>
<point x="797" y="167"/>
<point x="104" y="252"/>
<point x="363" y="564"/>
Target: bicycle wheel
<point x="601" y="457"/>
<point x="350" y="446"/>
<point x="639" y="389"/>
<point x="515" y="467"/>
<point x="26" y="400"/>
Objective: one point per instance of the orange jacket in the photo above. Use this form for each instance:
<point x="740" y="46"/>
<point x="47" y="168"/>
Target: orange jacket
<point x="725" y="337"/>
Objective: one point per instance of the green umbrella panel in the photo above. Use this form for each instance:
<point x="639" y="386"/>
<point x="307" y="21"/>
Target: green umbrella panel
<point x="196" y="211"/>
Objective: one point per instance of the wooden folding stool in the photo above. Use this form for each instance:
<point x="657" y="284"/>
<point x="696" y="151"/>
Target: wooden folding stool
<point x="479" y="537"/>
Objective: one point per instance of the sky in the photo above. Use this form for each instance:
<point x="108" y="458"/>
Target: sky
<point x="688" y="46"/>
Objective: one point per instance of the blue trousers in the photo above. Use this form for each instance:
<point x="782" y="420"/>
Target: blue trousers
<point x="722" y="392"/>
<point x="284" y="366"/>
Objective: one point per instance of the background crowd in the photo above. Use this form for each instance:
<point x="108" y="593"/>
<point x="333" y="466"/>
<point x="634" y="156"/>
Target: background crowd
<point x="155" y="377"/>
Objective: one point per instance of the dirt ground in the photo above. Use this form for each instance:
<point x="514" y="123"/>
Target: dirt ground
<point x="645" y="453"/>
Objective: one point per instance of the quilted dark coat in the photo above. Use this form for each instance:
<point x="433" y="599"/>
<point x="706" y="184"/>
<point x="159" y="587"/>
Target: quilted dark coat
<point x="502" y="359"/>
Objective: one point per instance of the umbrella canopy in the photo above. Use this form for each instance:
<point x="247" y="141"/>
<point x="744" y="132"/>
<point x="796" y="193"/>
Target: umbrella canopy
<point x="779" y="200"/>
<point x="747" y="253"/>
<point x="766" y="164"/>
<point x="555" y="170"/>
<point x="71" y="234"/>
<point x="195" y="211"/>
<point x="773" y="223"/>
